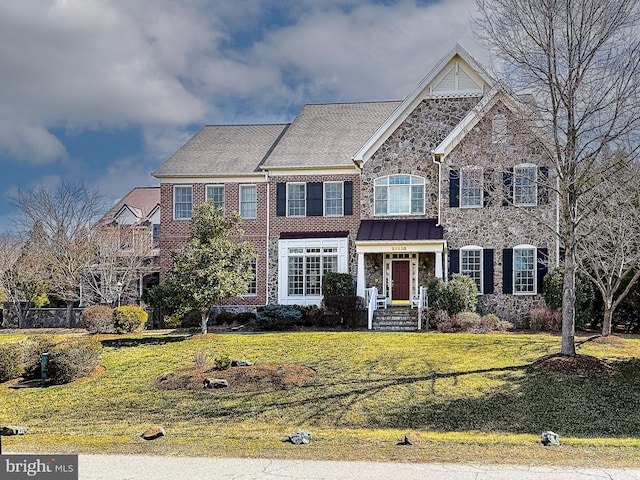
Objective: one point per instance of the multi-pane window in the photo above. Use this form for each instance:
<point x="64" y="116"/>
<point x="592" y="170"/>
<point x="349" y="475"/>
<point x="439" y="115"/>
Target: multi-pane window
<point x="399" y="195"/>
<point x="471" y="265"/>
<point x="182" y="202"/>
<point x="333" y="205"/>
<point x="306" y="268"/>
<point x="155" y="235"/>
<point x="248" y="201"/>
<point x="253" y="283"/>
<point x="296" y="199"/>
<point x="524" y="270"/>
<point x="216" y="193"/>
<point x="525" y="192"/>
<point x="471" y="187"/>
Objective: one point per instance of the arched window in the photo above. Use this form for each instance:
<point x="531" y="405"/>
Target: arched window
<point x="399" y="195"/>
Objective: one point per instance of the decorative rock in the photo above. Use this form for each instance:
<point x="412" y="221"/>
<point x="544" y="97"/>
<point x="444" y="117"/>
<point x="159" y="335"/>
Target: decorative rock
<point x="549" y="438"/>
<point x="299" y="437"/>
<point x="215" y="383"/>
<point x="240" y="363"/>
<point x="153" y="432"/>
<point x="412" y="438"/>
<point x="9" y="431"/>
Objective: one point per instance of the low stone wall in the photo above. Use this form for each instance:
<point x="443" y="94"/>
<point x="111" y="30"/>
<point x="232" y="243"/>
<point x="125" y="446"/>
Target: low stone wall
<point x="43" y="318"/>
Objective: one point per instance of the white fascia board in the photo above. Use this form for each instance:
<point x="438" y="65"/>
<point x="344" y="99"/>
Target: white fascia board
<point x="218" y="179"/>
<point x="391" y="246"/>
<point x="413" y="100"/>
<point x="287" y="172"/>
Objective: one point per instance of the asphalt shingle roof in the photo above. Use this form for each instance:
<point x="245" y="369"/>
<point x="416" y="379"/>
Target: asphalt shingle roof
<point x="222" y="149"/>
<point x="328" y="135"/>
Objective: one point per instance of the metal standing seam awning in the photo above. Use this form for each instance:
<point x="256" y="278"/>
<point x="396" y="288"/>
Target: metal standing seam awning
<point x="375" y="236"/>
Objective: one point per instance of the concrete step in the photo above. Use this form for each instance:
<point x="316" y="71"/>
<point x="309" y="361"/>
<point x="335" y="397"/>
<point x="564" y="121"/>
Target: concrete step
<point x="395" y="320"/>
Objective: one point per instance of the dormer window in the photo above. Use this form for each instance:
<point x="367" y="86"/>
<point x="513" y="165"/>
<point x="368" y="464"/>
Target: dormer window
<point x="399" y="195"/>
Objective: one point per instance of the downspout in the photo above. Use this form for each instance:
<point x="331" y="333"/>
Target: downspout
<point x="267" y="278"/>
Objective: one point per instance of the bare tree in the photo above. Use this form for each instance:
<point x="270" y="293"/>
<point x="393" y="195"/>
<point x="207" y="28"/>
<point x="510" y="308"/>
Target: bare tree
<point x="121" y="254"/>
<point x="66" y="213"/>
<point x="580" y="60"/>
<point x="609" y="249"/>
<point x="20" y="275"/>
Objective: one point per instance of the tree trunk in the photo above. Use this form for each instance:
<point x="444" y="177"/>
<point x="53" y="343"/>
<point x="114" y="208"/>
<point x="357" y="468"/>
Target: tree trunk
<point x="607" y="319"/>
<point x="69" y="313"/>
<point x="204" y="314"/>
<point x="569" y="304"/>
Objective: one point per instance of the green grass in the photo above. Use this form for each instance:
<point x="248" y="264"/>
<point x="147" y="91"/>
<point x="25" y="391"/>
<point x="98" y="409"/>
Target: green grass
<point x="472" y="397"/>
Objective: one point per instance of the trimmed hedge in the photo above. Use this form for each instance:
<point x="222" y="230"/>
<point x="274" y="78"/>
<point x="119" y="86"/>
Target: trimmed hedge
<point x="98" y="319"/>
<point x="73" y="358"/>
<point x="11" y="364"/>
<point x="129" y="319"/>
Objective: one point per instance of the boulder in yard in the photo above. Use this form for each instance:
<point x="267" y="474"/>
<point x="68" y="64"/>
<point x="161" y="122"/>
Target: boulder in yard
<point x="549" y="438"/>
<point x="240" y="363"/>
<point x="9" y="431"/>
<point x="412" y="438"/>
<point x="153" y="432"/>
<point x="299" y="437"/>
<point x="215" y="383"/>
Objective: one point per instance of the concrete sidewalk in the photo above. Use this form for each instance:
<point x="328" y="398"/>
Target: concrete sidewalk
<point x="107" y="467"/>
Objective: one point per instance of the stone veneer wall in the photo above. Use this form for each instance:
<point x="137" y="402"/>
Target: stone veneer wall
<point x="496" y="226"/>
<point x="408" y="150"/>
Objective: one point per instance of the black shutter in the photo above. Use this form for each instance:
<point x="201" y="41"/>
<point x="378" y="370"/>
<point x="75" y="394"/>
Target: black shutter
<point x="281" y="199"/>
<point x="314" y="199"/>
<point x="542" y="267"/>
<point x="543" y="186"/>
<point x="348" y="198"/>
<point x="487" y="271"/>
<point x="454" y="261"/>
<point x="489" y="187"/>
<point x="507" y="270"/>
<point x="454" y="188"/>
<point x="507" y="182"/>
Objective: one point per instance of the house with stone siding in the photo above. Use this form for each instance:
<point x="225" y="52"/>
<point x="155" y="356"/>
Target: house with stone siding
<point x="452" y="179"/>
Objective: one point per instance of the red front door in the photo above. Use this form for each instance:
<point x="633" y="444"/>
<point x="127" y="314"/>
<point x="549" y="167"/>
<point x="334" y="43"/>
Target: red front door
<point x="400" y="279"/>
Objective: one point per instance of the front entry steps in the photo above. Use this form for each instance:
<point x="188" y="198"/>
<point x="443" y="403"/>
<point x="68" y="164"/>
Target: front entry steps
<point x="395" y="319"/>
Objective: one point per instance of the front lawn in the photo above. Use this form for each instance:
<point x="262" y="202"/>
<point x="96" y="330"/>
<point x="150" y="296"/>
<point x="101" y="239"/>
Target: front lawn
<point x="473" y="398"/>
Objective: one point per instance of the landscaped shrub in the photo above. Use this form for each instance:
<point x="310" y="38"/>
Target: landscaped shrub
<point x="442" y="321"/>
<point x="495" y="323"/>
<point x="34" y="347"/>
<point x="98" y="319"/>
<point x="73" y="358"/>
<point x="459" y="294"/>
<point x="546" y="319"/>
<point x="129" y="319"/>
<point x="223" y="362"/>
<point x="229" y="318"/>
<point x="278" y="317"/>
<point x="344" y="306"/>
<point x="553" y="286"/>
<point x="11" y="361"/>
<point x="337" y="284"/>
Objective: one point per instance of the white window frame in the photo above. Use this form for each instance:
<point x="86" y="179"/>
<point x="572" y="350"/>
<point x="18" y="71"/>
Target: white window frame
<point x="533" y="271"/>
<point x="255" y="201"/>
<point x="326" y="198"/>
<point x="519" y="186"/>
<point x="155" y="239"/>
<point x="303" y="200"/>
<point x="210" y="198"/>
<point x="175" y="202"/>
<point x="252" y="290"/>
<point x="467" y="174"/>
<point x="386" y="184"/>
<point x="466" y="271"/>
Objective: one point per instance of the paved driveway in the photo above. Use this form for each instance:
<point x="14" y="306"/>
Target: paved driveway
<point x="105" y="467"/>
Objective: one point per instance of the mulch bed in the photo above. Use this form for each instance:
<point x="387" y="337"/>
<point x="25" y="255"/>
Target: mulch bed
<point x="578" y="365"/>
<point x="265" y="377"/>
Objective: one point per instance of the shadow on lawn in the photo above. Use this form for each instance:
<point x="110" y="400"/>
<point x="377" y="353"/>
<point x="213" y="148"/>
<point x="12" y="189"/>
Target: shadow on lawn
<point x="528" y="401"/>
<point x="135" y="342"/>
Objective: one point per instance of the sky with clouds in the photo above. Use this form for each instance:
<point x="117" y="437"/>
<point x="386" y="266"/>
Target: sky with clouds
<point x="103" y="91"/>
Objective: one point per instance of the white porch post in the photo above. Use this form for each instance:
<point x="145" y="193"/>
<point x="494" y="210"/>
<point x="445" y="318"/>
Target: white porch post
<point x="360" y="285"/>
<point x="439" y="265"/>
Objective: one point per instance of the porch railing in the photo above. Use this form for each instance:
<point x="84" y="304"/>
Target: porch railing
<point x="370" y="296"/>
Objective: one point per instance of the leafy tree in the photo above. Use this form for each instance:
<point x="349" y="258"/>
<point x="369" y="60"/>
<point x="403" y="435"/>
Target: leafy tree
<point x="580" y="61"/>
<point x="213" y="264"/>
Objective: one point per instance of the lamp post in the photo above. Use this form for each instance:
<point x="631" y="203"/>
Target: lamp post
<point x="119" y="285"/>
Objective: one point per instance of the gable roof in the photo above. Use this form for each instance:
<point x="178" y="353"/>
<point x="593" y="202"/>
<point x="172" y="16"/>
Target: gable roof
<point x="327" y="135"/>
<point x="457" y="74"/>
<point x="139" y="202"/>
<point x="222" y="150"/>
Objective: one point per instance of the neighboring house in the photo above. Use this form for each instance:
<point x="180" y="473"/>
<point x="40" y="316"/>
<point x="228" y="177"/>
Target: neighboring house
<point x="129" y="249"/>
<point x="394" y="193"/>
